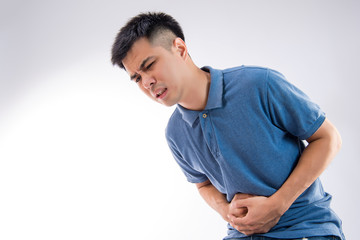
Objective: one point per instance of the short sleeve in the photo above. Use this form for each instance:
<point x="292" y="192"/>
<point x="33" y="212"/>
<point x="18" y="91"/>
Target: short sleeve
<point x="290" y="109"/>
<point x="191" y="174"/>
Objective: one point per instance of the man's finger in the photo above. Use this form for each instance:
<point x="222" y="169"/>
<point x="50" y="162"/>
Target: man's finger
<point x="238" y="212"/>
<point x="242" y="196"/>
<point x="241" y="203"/>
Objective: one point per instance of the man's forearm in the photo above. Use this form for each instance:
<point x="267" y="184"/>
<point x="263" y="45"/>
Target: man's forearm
<point x="322" y="148"/>
<point x="214" y="198"/>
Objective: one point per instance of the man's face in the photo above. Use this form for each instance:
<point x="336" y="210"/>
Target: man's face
<point x="156" y="70"/>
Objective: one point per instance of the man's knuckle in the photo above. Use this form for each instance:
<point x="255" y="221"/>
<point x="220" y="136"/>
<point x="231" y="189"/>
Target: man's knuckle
<point x="252" y="228"/>
<point x="248" y="233"/>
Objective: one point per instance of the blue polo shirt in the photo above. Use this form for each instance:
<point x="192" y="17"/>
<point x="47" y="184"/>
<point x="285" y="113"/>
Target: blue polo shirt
<point x="248" y="139"/>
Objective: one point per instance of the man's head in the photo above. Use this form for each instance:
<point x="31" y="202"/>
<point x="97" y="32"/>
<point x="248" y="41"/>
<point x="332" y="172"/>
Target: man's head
<point x="159" y="29"/>
<point x="151" y="48"/>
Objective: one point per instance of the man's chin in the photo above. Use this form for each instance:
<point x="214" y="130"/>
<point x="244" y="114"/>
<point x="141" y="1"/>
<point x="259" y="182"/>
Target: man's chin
<point x="167" y="104"/>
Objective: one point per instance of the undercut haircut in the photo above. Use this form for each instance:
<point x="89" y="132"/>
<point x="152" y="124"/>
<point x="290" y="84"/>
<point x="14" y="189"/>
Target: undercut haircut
<point x="159" y="28"/>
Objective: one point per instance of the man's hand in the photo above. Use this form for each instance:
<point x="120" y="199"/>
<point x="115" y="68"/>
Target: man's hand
<point x="233" y="209"/>
<point x="247" y="213"/>
<point x="253" y="214"/>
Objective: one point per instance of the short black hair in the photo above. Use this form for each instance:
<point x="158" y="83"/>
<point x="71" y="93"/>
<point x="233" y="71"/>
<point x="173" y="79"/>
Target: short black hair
<point x="143" y="25"/>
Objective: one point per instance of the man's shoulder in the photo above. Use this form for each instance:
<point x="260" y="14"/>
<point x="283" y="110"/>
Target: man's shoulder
<point x="251" y="71"/>
<point x="245" y="68"/>
<point x="245" y="73"/>
<point x="243" y="78"/>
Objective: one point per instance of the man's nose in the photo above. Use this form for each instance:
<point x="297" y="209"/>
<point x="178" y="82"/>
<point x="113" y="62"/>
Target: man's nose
<point x="148" y="81"/>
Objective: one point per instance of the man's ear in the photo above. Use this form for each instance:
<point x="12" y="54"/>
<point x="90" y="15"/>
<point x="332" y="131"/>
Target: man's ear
<point x="180" y="47"/>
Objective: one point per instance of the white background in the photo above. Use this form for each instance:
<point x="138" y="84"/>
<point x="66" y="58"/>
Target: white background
<point x="82" y="151"/>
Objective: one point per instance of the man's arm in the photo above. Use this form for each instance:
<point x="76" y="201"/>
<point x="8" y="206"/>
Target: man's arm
<point x="265" y="212"/>
<point x="218" y="201"/>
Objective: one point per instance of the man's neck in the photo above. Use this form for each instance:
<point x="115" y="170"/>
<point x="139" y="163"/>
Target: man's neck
<point x="197" y="90"/>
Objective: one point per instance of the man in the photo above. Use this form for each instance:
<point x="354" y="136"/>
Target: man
<point x="237" y="134"/>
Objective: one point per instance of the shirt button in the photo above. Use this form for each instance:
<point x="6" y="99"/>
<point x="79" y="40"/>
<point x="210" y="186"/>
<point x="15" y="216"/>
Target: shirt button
<point x="204" y="115"/>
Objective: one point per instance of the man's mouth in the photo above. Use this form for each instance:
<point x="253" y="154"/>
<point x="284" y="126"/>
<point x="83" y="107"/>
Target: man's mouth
<point x="161" y="93"/>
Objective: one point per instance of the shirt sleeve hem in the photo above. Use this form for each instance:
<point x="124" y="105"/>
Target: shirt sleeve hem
<point x="197" y="180"/>
<point x="314" y="127"/>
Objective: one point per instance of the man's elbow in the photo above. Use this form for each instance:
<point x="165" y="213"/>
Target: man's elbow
<point x="335" y="139"/>
<point x="338" y="141"/>
<point x="329" y="136"/>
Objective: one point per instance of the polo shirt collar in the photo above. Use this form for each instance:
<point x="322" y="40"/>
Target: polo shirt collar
<point x="215" y="97"/>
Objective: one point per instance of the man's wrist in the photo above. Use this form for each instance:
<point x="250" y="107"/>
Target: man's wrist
<point x="224" y="212"/>
<point x="280" y="202"/>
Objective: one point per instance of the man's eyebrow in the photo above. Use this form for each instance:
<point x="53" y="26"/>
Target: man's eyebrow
<point x="132" y="77"/>
<point x="144" y="62"/>
<point x="142" y="65"/>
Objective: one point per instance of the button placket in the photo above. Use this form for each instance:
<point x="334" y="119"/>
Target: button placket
<point x="209" y="133"/>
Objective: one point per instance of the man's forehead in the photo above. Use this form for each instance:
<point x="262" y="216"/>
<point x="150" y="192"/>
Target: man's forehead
<point x="141" y="52"/>
<point x="138" y="52"/>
